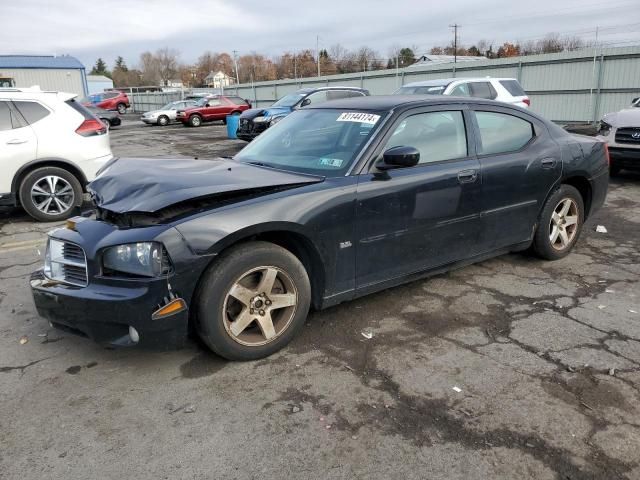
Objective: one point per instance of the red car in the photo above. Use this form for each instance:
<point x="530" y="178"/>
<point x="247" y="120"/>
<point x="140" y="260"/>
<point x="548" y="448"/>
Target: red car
<point x="111" y="101"/>
<point x="208" y="109"/>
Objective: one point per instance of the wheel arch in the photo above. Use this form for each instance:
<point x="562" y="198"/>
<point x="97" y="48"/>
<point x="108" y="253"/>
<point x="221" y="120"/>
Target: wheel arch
<point x="292" y="239"/>
<point x="581" y="183"/>
<point x="47" y="162"/>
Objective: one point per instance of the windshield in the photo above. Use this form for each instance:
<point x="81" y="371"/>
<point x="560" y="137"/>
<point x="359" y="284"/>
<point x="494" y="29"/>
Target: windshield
<point x="318" y="142"/>
<point x="289" y="100"/>
<point x="421" y="90"/>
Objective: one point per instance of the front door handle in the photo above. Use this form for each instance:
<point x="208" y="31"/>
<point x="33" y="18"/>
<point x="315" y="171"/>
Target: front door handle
<point x="548" y="163"/>
<point x="16" y="141"/>
<point x="467" y="176"/>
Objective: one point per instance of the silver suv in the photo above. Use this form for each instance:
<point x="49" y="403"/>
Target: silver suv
<point x="621" y="131"/>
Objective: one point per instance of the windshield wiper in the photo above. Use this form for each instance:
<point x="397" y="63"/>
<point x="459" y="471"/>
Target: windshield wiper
<point x="259" y="164"/>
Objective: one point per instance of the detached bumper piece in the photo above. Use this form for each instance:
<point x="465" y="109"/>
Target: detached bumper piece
<point x="113" y="316"/>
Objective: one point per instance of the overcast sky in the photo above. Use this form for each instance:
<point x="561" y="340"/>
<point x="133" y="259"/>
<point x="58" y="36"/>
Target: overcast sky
<point x="89" y="30"/>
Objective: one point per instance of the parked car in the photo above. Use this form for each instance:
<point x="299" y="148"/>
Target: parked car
<point x="114" y="100"/>
<point x="336" y="201"/>
<point x="208" y="109"/>
<point x="51" y="147"/>
<point x="621" y="131"/>
<point x="507" y="90"/>
<point x="255" y="121"/>
<point x="108" y="117"/>
<point x="167" y="114"/>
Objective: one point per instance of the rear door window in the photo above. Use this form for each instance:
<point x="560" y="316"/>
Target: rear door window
<point x="482" y="90"/>
<point x="461" y="90"/>
<point x="513" y="87"/>
<point x="502" y="133"/>
<point x="31" y="111"/>
<point x="5" y="117"/>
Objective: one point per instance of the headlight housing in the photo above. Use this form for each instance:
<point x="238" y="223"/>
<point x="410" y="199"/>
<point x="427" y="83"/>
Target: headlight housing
<point x="604" y="128"/>
<point x="144" y="259"/>
<point x="261" y="119"/>
<point x="275" y="120"/>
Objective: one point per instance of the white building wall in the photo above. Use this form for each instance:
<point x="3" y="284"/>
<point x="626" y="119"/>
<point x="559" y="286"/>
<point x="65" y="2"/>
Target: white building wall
<point x="63" y="80"/>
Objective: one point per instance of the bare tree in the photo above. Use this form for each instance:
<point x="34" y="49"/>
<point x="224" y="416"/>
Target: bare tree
<point x="167" y="61"/>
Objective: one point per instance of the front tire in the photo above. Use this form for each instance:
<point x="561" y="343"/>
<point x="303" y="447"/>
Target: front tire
<point x="560" y="224"/>
<point x="195" y="120"/>
<point x="163" y="120"/>
<point x="50" y="194"/>
<point x="252" y="301"/>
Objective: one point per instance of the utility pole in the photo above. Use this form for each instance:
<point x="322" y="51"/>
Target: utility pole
<point x="318" y="52"/>
<point x="455" y="27"/>
<point x="235" y="63"/>
<point x="295" y="66"/>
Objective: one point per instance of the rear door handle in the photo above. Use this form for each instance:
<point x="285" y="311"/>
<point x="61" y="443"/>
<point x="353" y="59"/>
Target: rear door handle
<point x="548" y="162"/>
<point x="16" y="141"/>
<point x="467" y="176"/>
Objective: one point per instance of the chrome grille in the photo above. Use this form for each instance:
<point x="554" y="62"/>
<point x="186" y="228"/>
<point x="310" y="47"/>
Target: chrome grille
<point x="628" y="135"/>
<point x="66" y="262"/>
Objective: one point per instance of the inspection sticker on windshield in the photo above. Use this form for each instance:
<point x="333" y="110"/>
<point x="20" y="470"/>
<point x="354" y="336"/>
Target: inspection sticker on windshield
<point x="331" y="162"/>
<point x="370" y="118"/>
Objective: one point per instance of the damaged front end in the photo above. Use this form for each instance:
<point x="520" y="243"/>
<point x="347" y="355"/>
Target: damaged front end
<point x="133" y="193"/>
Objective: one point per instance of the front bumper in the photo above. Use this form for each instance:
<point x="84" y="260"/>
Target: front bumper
<point x="106" y="308"/>
<point x="149" y="121"/>
<point x="248" y="129"/>
<point x="104" y="313"/>
<point x="628" y="158"/>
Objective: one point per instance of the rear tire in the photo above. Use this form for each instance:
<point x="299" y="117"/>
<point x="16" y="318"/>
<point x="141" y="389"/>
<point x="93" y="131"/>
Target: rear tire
<point x="252" y="301"/>
<point x="560" y="224"/>
<point x="195" y="120"/>
<point x="614" y="170"/>
<point x="121" y="108"/>
<point x="35" y="197"/>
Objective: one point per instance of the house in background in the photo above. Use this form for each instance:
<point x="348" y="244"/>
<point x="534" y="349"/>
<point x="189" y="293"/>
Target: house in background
<point x="60" y="73"/>
<point x="218" y="80"/>
<point x="98" y="83"/>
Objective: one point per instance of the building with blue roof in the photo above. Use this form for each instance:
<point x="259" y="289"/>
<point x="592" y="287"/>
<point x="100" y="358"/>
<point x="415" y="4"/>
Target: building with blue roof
<point x="60" y="73"/>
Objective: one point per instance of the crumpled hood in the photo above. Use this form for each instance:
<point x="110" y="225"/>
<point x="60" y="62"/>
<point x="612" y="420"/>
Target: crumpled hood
<point x="148" y="185"/>
<point x="628" y="117"/>
<point x="265" y="112"/>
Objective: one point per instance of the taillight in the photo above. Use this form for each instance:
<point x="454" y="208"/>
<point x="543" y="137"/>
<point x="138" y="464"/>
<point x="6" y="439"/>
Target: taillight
<point x="527" y="102"/>
<point x="606" y="153"/>
<point x="91" y="127"/>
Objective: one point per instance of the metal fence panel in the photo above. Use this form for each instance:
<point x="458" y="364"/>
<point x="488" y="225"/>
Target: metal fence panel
<point x="144" y="102"/>
<point x="565" y="87"/>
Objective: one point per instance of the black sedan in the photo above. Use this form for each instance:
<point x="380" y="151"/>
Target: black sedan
<point x="108" y="117"/>
<point x="334" y="202"/>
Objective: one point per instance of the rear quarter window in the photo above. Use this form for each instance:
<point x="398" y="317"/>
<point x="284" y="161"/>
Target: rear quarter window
<point x="513" y="87"/>
<point x="237" y="100"/>
<point x="31" y="111"/>
<point x="502" y="133"/>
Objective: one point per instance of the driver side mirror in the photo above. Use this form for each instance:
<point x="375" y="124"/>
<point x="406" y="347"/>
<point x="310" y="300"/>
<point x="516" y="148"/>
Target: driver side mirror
<point x="305" y="102"/>
<point x="399" y="157"/>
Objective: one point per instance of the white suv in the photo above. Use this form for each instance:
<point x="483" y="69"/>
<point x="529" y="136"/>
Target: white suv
<point x="50" y="148"/>
<point x="507" y="90"/>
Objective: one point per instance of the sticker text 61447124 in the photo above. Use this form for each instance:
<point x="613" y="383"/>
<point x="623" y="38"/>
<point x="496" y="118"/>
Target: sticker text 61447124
<point x="360" y="117"/>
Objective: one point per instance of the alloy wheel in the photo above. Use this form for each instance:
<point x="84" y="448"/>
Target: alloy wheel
<point x="259" y="306"/>
<point x="564" y="224"/>
<point x="52" y="195"/>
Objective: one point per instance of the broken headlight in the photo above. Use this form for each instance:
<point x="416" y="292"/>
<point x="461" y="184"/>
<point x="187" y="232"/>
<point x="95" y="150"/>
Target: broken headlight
<point x="604" y="128"/>
<point x="145" y="259"/>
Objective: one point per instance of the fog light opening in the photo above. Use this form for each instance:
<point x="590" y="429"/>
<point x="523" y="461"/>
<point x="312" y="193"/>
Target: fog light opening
<point x="134" y="335"/>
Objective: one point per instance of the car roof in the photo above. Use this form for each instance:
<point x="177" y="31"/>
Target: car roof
<point x="391" y="102"/>
<point x="446" y="81"/>
<point x="337" y="87"/>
